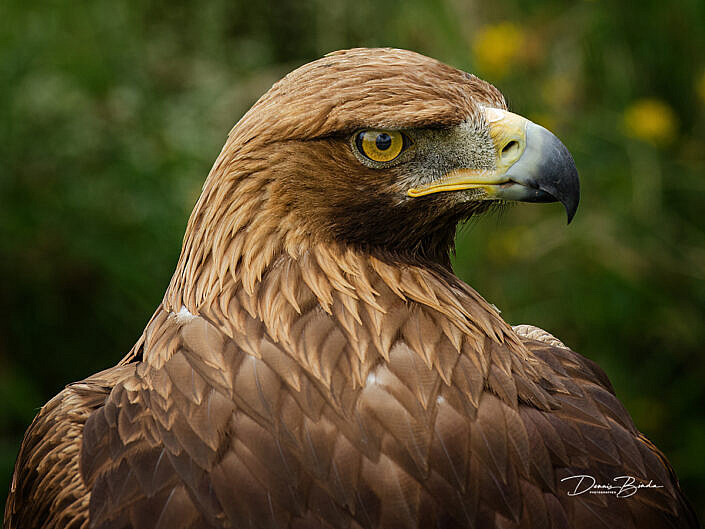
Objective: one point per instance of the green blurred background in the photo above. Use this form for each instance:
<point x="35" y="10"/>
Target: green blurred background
<point x="111" y="113"/>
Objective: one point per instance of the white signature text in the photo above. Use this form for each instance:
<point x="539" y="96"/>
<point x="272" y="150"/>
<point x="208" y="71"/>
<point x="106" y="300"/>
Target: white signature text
<point x="621" y="486"/>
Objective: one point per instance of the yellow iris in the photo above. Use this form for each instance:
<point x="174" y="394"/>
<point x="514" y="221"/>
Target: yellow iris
<point x="380" y="145"/>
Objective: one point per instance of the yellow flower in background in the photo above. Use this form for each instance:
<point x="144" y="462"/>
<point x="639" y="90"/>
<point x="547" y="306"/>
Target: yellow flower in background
<point x="497" y="47"/>
<point x="700" y="87"/>
<point x="650" y="120"/>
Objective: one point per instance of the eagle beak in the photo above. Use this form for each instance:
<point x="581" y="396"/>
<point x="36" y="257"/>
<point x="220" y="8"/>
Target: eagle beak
<point x="532" y="165"/>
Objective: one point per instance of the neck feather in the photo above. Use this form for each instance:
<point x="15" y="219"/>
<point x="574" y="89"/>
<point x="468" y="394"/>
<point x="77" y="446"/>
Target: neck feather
<point x="339" y="314"/>
<point x="337" y="311"/>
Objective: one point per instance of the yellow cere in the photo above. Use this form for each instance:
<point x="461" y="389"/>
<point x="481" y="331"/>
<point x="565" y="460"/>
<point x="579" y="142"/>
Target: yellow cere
<point x="380" y="145"/>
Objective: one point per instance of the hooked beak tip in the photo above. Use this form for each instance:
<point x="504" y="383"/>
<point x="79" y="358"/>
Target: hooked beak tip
<point x="548" y="166"/>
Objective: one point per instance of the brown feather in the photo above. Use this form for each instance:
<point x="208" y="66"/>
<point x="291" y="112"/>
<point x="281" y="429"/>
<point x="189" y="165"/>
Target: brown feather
<point x="315" y="363"/>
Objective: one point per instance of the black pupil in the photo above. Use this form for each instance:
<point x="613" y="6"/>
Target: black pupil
<point x="383" y="141"/>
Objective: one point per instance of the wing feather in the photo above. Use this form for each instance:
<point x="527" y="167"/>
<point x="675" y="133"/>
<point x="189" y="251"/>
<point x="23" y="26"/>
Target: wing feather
<point x="205" y="432"/>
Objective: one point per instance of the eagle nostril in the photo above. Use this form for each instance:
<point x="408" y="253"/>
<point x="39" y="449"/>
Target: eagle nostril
<point x="510" y="148"/>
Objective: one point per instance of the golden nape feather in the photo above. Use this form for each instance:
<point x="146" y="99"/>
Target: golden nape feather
<point x="315" y="363"/>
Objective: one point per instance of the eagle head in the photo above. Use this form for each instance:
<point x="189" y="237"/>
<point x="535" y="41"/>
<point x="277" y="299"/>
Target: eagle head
<point x="384" y="150"/>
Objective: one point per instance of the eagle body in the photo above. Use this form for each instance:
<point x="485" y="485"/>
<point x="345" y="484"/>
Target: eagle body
<point x="315" y="363"/>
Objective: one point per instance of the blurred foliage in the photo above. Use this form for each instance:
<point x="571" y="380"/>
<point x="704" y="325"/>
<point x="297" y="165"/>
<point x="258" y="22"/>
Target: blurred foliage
<point x="111" y="113"/>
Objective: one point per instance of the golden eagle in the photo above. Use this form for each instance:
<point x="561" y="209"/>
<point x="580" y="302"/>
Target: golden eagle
<point x="315" y="363"/>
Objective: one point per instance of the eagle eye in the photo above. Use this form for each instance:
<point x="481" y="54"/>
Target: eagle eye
<point x="380" y="145"/>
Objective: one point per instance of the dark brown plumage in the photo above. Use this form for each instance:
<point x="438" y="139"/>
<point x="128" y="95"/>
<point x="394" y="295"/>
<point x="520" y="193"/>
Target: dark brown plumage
<point x="316" y="364"/>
